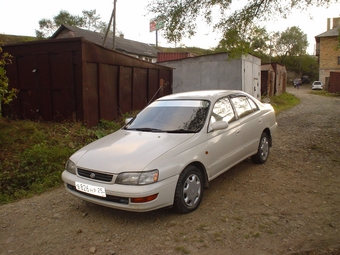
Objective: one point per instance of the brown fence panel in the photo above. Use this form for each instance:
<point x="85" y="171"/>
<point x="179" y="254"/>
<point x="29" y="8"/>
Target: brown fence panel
<point x="140" y="88"/>
<point x="125" y="90"/>
<point x="165" y="76"/>
<point x="153" y="81"/>
<point x="62" y="87"/>
<point x="46" y="86"/>
<point x="108" y="95"/>
<point x="29" y="103"/>
<point x="90" y="94"/>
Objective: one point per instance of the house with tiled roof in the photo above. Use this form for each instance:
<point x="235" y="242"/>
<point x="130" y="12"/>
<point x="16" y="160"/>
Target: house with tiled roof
<point x="327" y="50"/>
<point x="132" y="48"/>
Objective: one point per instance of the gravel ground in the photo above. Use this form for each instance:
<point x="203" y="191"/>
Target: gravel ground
<point x="289" y="205"/>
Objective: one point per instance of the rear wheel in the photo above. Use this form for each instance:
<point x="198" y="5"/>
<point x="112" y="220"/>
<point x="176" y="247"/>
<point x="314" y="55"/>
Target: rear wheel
<point x="263" y="150"/>
<point x="189" y="190"/>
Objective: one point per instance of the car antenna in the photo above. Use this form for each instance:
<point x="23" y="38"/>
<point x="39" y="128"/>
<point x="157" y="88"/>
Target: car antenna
<point x="160" y="87"/>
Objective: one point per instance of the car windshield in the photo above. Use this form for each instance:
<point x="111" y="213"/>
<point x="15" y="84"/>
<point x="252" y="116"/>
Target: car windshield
<point x="177" y="116"/>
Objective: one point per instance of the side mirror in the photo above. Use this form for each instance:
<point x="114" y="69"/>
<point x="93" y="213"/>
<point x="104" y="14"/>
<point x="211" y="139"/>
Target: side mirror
<point x="218" y="125"/>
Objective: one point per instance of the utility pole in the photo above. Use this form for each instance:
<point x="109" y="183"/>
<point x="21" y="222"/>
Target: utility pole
<point x="113" y="17"/>
<point x="114" y="25"/>
<point x="156" y="38"/>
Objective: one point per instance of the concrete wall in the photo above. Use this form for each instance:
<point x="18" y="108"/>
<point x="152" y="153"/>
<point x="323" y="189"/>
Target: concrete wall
<point x="216" y="72"/>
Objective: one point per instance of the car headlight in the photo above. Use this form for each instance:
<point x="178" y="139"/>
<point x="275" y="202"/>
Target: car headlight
<point x="137" y="178"/>
<point x="70" y="167"/>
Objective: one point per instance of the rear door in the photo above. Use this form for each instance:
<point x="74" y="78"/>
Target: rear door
<point x="251" y="123"/>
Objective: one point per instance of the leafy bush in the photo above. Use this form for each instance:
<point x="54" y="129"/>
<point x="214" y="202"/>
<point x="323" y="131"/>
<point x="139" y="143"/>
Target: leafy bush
<point x="33" y="154"/>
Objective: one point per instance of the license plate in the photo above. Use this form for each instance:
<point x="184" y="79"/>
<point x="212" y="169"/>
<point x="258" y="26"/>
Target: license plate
<point x="93" y="190"/>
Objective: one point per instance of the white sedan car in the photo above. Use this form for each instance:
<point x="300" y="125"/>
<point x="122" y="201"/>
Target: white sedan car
<point x="171" y="150"/>
<point x="317" y="85"/>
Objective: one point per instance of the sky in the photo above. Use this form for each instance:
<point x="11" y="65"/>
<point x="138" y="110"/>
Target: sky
<point x="21" y="17"/>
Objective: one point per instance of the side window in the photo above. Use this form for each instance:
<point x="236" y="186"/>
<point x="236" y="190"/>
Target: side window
<point x="222" y="111"/>
<point x="253" y="106"/>
<point x="242" y="106"/>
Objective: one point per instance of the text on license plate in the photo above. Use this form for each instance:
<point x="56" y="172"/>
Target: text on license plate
<point x="94" y="190"/>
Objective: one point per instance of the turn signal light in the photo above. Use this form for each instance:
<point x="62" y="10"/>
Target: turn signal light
<point x="143" y="199"/>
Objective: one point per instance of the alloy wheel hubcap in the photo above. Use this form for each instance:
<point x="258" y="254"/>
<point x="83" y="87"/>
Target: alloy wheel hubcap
<point x="192" y="190"/>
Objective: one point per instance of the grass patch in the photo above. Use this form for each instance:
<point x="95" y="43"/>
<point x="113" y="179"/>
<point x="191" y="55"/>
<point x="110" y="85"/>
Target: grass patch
<point x="283" y="102"/>
<point x="33" y="154"/>
<point x="324" y="93"/>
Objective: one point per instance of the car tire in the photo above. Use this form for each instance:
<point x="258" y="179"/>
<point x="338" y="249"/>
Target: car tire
<point x="189" y="190"/>
<point x="263" y="150"/>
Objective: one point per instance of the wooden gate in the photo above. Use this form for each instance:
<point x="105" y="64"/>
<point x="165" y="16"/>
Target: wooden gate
<point x="334" y="82"/>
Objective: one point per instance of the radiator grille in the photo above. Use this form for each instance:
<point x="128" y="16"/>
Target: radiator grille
<point x="93" y="175"/>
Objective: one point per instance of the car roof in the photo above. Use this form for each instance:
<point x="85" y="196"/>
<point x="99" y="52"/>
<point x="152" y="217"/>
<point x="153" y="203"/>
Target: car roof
<point x="202" y="94"/>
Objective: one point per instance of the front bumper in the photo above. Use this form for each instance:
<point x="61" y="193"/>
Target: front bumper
<point x="119" y="196"/>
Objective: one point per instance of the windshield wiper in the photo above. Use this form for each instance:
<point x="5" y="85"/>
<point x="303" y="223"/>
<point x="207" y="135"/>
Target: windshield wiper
<point x="147" y="129"/>
<point x="181" y="131"/>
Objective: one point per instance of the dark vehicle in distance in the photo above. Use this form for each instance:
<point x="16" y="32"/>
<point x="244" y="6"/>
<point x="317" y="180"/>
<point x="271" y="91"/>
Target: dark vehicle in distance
<point x="305" y="79"/>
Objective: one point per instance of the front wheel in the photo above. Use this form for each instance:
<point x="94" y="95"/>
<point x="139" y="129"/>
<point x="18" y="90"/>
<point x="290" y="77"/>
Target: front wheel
<point x="189" y="190"/>
<point x="263" y="150"/>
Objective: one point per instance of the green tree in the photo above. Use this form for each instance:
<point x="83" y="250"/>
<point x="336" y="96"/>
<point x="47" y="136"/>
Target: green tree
<point x="6" y="94"/>
<point x="302" y="65"/>
<point x="255" y="41"/>
<point x="89" y="20"/>
<point x="180" y="17"/>
<point x="291" y="42"/>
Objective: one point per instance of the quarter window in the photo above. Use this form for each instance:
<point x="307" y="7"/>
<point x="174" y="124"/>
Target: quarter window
<point x="253" y="106"/>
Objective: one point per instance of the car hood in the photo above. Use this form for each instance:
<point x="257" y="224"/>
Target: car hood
<point x="125" y="151"/>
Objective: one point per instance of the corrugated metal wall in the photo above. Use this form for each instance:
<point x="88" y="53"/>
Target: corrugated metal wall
<point x="73" y="79"/>
<point x="168" y="56"/>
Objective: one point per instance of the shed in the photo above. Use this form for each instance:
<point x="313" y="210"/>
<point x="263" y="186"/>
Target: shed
<point x="280" y="78"/>
<point x="267" y="80"/>
<point x="74" y="79"/>
<point x="217" y="71"/>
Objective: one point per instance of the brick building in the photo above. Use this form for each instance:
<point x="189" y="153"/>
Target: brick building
<point x="327" y="50"/>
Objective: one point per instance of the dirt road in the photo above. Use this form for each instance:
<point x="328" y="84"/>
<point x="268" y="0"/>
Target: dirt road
<point x="290" y="205"/>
